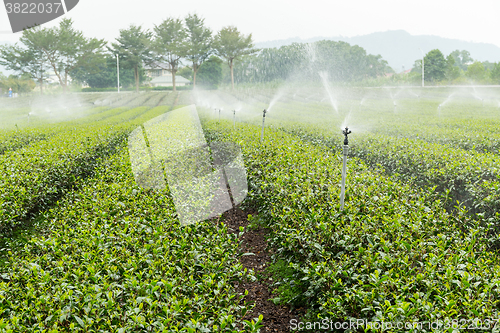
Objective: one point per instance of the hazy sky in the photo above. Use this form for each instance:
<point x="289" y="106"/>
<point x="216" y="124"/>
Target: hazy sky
<point x="278" y="19"/>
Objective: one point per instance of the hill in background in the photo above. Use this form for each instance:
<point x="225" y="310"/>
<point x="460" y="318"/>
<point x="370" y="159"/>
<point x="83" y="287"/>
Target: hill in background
<point x="400" y="48"/>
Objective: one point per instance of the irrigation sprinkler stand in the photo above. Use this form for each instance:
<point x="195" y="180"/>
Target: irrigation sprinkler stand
<point x="346" y="132"/>
<point x="234" y="119"/>
<point x="263" y="120"/>
<point x="219" y="115"/>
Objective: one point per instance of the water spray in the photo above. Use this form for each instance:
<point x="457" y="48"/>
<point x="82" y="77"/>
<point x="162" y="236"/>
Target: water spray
<point x="346" y="132"/>
<point x="263" y="120"/>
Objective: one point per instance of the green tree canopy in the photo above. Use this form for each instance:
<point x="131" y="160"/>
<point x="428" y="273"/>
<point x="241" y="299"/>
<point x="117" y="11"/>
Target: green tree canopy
<point x="476" y="72"/>
<point x="65" y="49"/>
<point x="452" y="72"/>
<point x="170" y="44"/>
<point x="434" y="66"/>
<point x="462" y="59"/>
<point x="18" y="83"/>
<point x="29" y="59"/>
<point x="134" y="49"/>
<point x="230" y="44"/>
<point x="210" y="73"/>
<point x="186" y="72"/>
<point x="199" y="42"/>
<point x="495" y="73"/>
<point x="106" y="76"/>
<point x="340" y="60"/>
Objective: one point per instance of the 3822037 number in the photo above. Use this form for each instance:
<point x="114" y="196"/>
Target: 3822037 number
<point x="33" y="8"/>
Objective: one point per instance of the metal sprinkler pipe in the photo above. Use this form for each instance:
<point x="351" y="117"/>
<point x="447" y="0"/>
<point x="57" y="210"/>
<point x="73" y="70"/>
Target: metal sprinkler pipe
<point x="234" y="119"/>
<point x="263" y="120"/>
<point x="346" y="132"/>
<point x="219" y="114"/>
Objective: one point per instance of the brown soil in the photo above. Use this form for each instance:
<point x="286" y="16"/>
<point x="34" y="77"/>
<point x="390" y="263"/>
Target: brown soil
<point x="276" y="317"/>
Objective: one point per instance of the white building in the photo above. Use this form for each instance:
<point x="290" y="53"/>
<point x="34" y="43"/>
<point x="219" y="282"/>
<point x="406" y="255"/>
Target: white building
<point x="161" y="76"/>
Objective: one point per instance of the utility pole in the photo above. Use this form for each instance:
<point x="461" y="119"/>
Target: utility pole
<point x="423" y="56"/>
<point x="118" y="72"/>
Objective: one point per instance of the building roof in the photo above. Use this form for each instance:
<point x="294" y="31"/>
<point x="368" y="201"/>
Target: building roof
<point x="168" y="79"/>
<point x="157" y="65"/>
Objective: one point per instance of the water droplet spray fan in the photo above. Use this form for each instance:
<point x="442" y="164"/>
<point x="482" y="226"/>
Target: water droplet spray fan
<point x="346" y="132"/>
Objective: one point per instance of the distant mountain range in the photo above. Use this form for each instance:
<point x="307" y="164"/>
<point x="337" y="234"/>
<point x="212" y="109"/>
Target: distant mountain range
<point x="400" y="48"/>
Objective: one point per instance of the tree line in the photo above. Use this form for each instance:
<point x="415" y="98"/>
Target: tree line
<point x="457" y="67"/>
<point x="341" y="61"/>
<point x="69" y="54"/>
<point x="189" y="48"/>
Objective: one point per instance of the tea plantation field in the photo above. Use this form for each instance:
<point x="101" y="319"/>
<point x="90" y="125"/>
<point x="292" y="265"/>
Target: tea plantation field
<point x="83" y="248"/>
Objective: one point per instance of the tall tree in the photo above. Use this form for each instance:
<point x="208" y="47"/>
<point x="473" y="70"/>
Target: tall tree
<point x="170" y="44"/>
<point x="434" y="66"/>
<point x="106" y="76"/>
<point x="452" y="72"/>
<point x="66" y="49"/>
<point x="134" y="49"/>
<point x="199" y="42"/>
<point x="462" y="58"/>
<point x="210" y="73"/>
<point x="29" y="61"/>
<point x="476" y="72"/>
<point x="495" y="73"/>
<point x="231" y="45"/>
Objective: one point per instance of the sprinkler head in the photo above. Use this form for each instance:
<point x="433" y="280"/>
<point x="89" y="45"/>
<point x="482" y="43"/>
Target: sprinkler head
<point x="346" y="132"/>
<point x="264" y="113"/>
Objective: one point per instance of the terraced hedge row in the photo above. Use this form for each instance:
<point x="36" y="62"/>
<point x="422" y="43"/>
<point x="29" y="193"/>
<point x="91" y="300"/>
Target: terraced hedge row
<point x="459" y="177"/>
<point x="33" y="177"/>
<point x="394" y="254"/>
<point x="114" y="258"/>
